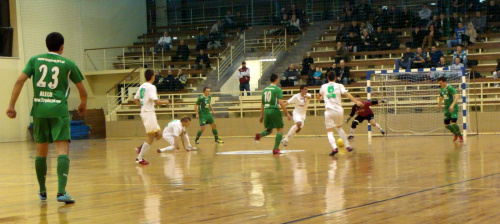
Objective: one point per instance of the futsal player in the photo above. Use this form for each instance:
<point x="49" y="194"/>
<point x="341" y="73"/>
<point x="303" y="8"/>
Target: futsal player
<point x="364" y="113"/>
<point x="204" y="112"/>
<point x="177" y="129"/>
<point x="301" y="101"/>
<point x="449" y="95"/>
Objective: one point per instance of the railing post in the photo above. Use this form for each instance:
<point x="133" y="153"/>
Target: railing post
<point x="241" y="102"/>
<point x="265" y="41"/>
<point x="142" y="49"/>
<point x="105" y="59"/>
<point x="123" y="56"/>
<point x="218" y="67"/>
<point x="191" y="16"/>
<point x="162" y="61"/>
<point x="231" y="49"/>
<point x="173" y="104"/>
<point x="285" y="40"/>
<point x="244" y="41"/>
<point x="272" y="48"/>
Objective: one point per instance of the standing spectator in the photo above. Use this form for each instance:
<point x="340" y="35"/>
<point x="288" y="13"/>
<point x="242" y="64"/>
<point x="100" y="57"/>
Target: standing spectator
<point x="343" y="74"/>
<point x="493" y="12"/>
<point x="342" y="32"/>
<point x="341" y="53"/>
<point x="202" y="62"/>
<point x="306" y="64"/>
<point x="405" y="60"/>
<point x="244" y="78"/>
<point x="460" y="53"/>
<point x="417" y="37"/>
<point x="458" y="6"/>
<point x="459" y="31"/>
<point x="347" y="12"/>
<point x="424" y="14"/>
<point x="431" y="38"/>
<point x="352" y="42"/>
<point x="366" y="41"/>
<point x="201" y="41"/>
<point x="240" y="22"/>
<point x="391" y="41"/>
<point x="290" y="77"/>
<point x="419" y="58"/>
<point x="457" y="64"/>
<point x="164" y="42"/>
<point x="364" y="11"/>
<point x="408" y="18"/>
<point x="470" y="34"/>
<point x="182" y="52"/>
<point x="434" y="56"/>
<point x="378" y="39"/>
<point x="381" y="18"/>
<point x="229" y="21"/>
<point x="495" y="74"/>
<point x="479" y="22"/>
<point x="367" y="26"/>
<point x="316" y="77"/>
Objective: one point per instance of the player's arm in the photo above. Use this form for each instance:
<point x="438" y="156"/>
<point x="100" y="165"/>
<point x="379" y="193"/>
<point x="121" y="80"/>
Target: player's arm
<point x="161" y="102"/>
<point x="455" y="100"/>
<point x="211" y="109"/>
<point x="11" y="111"/>
<point x="176" y="142"/>
<point x="359" y="103"/>
<point x="183" y="140"/>
<point x="283" y="107"/>
<point x="82" y="109"/>
<point x="353" y="112"/>
<point x="261" y="113"/>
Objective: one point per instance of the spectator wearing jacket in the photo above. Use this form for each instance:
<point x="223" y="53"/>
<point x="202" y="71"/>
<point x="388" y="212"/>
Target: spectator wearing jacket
<point x="306" y="64"/>
<point x="164" y="42"/>
<point x="244" y="78"/>
<point x="182" y="52"/>
<point x="434" y="57"/>
<point x="479" y="22"/>
<point x="460" y="53"/>
<point x="405" y="60"/>
<point x="419" y="58"/>
<point x="459" y="31"/>
<point x="201" y="41"/>
<point x="343" y="73"/>
<point x="391" y="41"/>
<point x="290" y="76"/>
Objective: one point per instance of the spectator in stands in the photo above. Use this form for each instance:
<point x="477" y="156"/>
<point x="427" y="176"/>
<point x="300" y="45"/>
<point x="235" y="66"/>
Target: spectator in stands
<point x="347" y="12"/>
<point x="169" y="81"/>
<point x="355" y="28"/>
<point x="367" y="26"/>
<point x="405" y="60"/>
<point x="214" y="41"/>
<point x="381" y="18"/>
<point x="470" y="34"/>
<point x="285" y="22"/>
<point x="479" y="22"/>
<point x="217" y="27"/>
<point x="434" y="57"/>
<point x="466" y="19"/>
<point x="342" y="32"/>
<point x="391" y="41"/>
<point x="407" y="17"/>
<point x="459" y="31"/>
<point x="353" y="42"/>
<point x="290" y="77"/>
<point x="229" y="21"/>
<point x="495" y="74"/>
<point x="201" y="41"/>
<point x="181" y="76"/>
<point x="333" y="68"/>
<point x="431" y="37"/>
<point x="297" y="12"/>
<point x="294" y="27"/>
<point x="164" y="42"/>
<point x="182" y="52"/>
<point x="378" y="39"/>
<point x="433" y="22"/>
<point x="343" y="74"/>
<point x="393" y="16"/>
<point x="424" y="14"/>
<point x="460" y="53"/>
<point x="458" y="6"/>
<point x="306" y="64"/>
<point x="244" y="78"/>
<point x="202" y="62"/>
<point x="457" y="64"/>
<point x="454" y="20"/>
<point x="443" y="25"/>
<point x="366" y="41"/>
<point x="417" y="36"/>
<point x="442" y="63"/>
<point x="473" y="5"/>
<point x="342" y="53"/>
<point x="158" y="77"/>
<point x="240" y="22"/>
<point x="316" y="77"/>
<point x="364" y="11"/>
<point x="419" y="58"/>
<point x="493" y="12"/>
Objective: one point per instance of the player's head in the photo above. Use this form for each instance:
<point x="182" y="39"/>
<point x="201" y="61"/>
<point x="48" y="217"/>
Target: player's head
<point x="331" y="76"/>
<point x="442" y="81"/>
<point x="357" y="97"/>
<point x="303" y="89"/>
<point x="206" y="90"/>
<point x="149" y="75"/>
<point x="55" y="42"/>
<point x="186" y="121"/>
<point x="274" y="78"/>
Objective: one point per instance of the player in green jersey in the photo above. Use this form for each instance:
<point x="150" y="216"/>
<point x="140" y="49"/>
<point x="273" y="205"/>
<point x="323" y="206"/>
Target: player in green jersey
<point x="450" y="97"/>
<point x="270" y="114"/>
<point x="204" y="112"/>
<point x="51" y="74"/>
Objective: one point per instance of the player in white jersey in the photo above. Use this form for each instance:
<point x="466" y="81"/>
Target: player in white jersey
<point x="334" y="113"/>
<point x="301" y="101"/>
<point x="174" y="130"/>
<point x="147" y="98"/>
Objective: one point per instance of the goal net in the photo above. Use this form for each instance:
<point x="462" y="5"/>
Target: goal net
<point x="411" y="100"/>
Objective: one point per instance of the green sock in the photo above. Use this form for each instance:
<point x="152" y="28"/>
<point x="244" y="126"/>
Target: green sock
<point x="216" y="134"/>
<point x="198" y="135"/>
<point x="41" y="172"/>
<point x="450" y="128"/>
<point x="277" y="140"/>
<point x="62" y="173"/>
<point x="264" y="133"/>
<point x="457" y="129"/>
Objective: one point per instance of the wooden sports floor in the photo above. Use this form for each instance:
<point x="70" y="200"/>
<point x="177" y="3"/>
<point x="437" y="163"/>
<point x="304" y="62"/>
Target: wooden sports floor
<point x="396" y="180"/>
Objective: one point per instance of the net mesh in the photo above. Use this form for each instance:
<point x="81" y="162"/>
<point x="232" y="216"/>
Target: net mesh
<point x="411" y="106"/>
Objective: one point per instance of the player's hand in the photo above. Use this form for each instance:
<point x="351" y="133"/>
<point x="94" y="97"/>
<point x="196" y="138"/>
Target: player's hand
<point x="11" y="112"/>
<point x="451" y="109"/>
<point x="82" y="109"/>
<point x="439" y="107"/>
<point x="261" y="119"/>
<point x="166" y="102"/>
<point x="289" y="116"/>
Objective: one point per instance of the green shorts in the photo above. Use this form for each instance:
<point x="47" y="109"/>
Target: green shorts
<point x="273" y="119"/>
<point x="206" y="119"/>
<point x="48" y="130"/>
<point x="451" y="115"/>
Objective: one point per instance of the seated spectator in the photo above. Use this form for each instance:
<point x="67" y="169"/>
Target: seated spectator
<point x="202" y="61"/>
<point x="391" y="41"/>
<point x="434" y="57"/>
<point x="316" y="78"/>
<point x="214" y="41"/>
<point x="342" y="32"/>
<point x="407" y="17"/>
<point x="454" y="20"/>
<point x="343" y="74"/>
<point x="181" y="76"/>
<point x="353" y="42"/>
<point x="442" y="63"/>
<point x="460" y="53"/>
<point x="419" y="58"/>
<point x="495" y="74"/>
<point x="294" y="27"/>
<point x="355" y="28"/>
<point x="364" y="11"/>
<point x="417" y="36"/>
<point x="240" y="22"/>
<point x="431" y="37"/>
<point x="457" y="64"/>
<point x="378" y="39"/>
<point x="393" y="16"/>
<point x="297" y="12"/>
<point x="434" y="22"/>
<point x="201" y="41"/>
<point x="158" y="77"/>
<point x="479" y="22"/>
<point x="182" y="52"/>
<point x="405" y="60"/>
<point x="470" y="35"/>
<point x="424" y="14"/>
<point x="443" y="25"/>
<point x="290" y="77"/>
<point x="306" y="64"/>
<point x="347" y="12"/>
<point x="217" y="27"/>
<point x="164" y="42"/>
<point x="367" y="26"/>
<point x="366" y="41"/>
<point x="459" y="31"/>
<point x="341" y="53"/>
<point x="229" y="21"/>
<point x="381" y="18"/>
<point x="492" y="12"/>
<point x="285" y="21"/>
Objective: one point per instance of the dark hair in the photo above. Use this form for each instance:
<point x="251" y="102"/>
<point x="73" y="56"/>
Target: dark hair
<point x="331" y="76"/>
<point x="149" y="74"/>
<point x="273" y="77"/>
<point x="54" y="41"/>
<point x="185" y="119"/>
<point x="357" y="95"/>
<point x="303" y="86"/>
<point x="205" y="88"/>
<point x="442" y="79"/>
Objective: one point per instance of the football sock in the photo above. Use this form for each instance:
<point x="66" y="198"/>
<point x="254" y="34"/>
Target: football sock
<point x="343" y="136"/>
<point x="452" y="130"/>
<point x="378" y="126"/>
<point x="216" y="134"/>
<point x="145" y="148"/>
<point x="41" y="172"/>
<point x="62" y="173"/>
<point x="167" y="148"/>
<point x="277" y="140"/>
<point x="292" y="131"/>
<point x="264" y="133"/>
<point x="198" y="135"/>
<point x="187" y="139"/>
<point x="457" y="129"/>
<point x="352" y="131"/>
<point x="331" y="139"/>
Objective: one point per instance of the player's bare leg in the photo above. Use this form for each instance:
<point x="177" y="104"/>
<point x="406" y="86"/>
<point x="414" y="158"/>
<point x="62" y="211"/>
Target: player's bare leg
<point x="42" y="150"/>
<point x="372" y="122"/>
<point x="293" y="130"/>
<point x="198" y="135"/>
<point x="146" y="146"/>
<point x="343" y="136"/>
<point x="331" y="140"/>
<point x="216" y="134"/>
<point x="62" y="148"/>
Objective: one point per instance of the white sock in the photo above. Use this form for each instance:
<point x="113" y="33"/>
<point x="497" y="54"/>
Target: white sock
<point x="167" y="148"/>
<point x="331" y="139"/>
<point x="352" y="131"/>
<point x="144" y="149"/>
<point x="378" y="126"/>
<point x="187" y="140"/>
<point x="292" y="131"/>
<point x="343" y="136"/>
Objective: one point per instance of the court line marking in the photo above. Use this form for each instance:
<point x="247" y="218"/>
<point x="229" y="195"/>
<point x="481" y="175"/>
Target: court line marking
<point x="257" y="152"/>
<point x="393" y="198"/>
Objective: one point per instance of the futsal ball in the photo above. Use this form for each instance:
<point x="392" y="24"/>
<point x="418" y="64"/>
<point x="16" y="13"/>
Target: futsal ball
<point x="340" y="143"/>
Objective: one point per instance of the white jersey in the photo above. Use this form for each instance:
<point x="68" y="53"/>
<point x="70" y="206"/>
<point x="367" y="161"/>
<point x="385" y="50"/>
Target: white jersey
<point x="147" y="95"/>
<point x="331" y="93"/>
<point x="301" y="103"/>
<point x="174" y="128"/>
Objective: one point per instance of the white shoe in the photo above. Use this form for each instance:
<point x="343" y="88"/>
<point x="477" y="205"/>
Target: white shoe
<point x="284" y="141"/>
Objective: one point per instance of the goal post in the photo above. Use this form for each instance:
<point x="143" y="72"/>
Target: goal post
<point x="411" y="100"/>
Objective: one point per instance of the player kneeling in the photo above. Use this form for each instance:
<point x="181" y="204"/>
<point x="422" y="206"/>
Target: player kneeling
<point x="364" y="113"/>
<point x="174" y="130"/>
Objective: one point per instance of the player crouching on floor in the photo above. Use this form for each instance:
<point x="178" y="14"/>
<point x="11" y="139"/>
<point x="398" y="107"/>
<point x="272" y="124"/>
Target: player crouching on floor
<point x="174" y="130"/>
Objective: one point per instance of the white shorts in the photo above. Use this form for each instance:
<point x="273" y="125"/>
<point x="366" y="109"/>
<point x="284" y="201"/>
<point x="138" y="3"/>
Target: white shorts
<point x="150" y="122"/>
<point x="333" y="118"/>
<point x="169" y="138"/>
<point x="299" y="118"/>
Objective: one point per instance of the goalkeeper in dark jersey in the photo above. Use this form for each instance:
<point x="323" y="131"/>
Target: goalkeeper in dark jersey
<point x="364" y="113"/>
